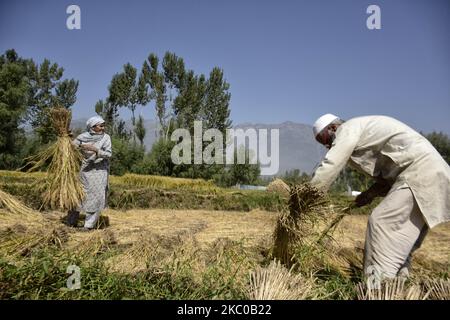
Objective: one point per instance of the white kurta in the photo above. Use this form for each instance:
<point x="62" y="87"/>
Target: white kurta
<point x="94" y="175"/>
<point x="383" y="147"/>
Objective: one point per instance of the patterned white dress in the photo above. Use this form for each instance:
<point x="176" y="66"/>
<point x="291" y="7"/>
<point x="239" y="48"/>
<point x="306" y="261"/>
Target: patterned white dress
<point x="94" y="174"/>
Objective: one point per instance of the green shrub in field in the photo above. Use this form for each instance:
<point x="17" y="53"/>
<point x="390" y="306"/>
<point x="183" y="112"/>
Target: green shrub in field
<point x="126" y="155"/>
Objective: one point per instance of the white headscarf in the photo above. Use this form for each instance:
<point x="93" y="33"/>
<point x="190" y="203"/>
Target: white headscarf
<point x="91" y="135"/>
<point x="93" y="121"/>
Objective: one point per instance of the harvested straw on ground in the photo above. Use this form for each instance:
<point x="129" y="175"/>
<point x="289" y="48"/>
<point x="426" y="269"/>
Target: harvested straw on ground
<point x="20" y="238"/>
<point x="23" y="229"/>
<point x="279" y="186"/>
<point x="147" y="249"/>
<point x="390" y="289"/>
<point x="92" y="244"/>
<point x="307" y="205"/>
<point x="275" y="282"/>
<point x="439" y="289"/>
<point x="13" y="205"/>
<point x="62" y="188"/>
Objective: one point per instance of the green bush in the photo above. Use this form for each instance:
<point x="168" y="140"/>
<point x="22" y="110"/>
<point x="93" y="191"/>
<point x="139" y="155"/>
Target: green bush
<point x="126" y="155"/>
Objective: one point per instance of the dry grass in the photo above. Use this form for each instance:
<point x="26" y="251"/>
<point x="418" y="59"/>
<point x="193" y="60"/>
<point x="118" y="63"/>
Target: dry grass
<point x="213" y="264"/>
<point x="206" y="226"/>
<point x="207" y="247"/>
<point x="275" y="282"/>
<point x="13" y="205"/>
<point x="148" y="250"/>
<point x="62" y="188"/>
<point x="20" y="239"/>
<point x="439" y="289"/>
<point x="307" y="206"/>
<point x="153" y="237"/>
<point x="160" y="182"/>
<point x="392" y="289"/>
<point x="23" y="229"/>
<point x="93" y="243"/>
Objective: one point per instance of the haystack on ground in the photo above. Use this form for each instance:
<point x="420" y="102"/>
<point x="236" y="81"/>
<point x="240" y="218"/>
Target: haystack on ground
<point x="62" y="188"/>
<point x="280" y="187"/>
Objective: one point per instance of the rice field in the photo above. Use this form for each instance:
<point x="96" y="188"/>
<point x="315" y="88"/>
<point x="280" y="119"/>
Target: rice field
<point x="199" y="253"/>
<point x="160" y="182"/>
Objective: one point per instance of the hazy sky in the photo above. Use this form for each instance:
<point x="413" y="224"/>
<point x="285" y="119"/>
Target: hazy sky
<point x="284" y="60"/>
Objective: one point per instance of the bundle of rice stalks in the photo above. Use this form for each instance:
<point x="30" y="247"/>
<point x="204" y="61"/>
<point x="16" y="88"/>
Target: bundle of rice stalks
<point x="280" y="187"/>
<point x="390" y="289"/>
<point x="63" y="189"/>
<point x="278" y="283"/>
<point x="20" y="239"/>
<point x="306" y="207"/>
<point x="13" y="205"/>
<point x="439" y="289"/>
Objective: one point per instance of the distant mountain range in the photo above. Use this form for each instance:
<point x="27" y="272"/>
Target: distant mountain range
<point x="298" y="149"/>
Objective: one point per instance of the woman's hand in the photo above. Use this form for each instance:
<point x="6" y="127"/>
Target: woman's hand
<point x="89" y="147"/>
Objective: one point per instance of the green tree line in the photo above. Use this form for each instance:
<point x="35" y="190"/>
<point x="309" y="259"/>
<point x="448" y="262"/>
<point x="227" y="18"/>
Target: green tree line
<point x="179" y="96"/>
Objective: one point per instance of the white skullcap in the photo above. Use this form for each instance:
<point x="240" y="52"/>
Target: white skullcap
<point x="323" y="122"/>
<point x="93" y="121"/>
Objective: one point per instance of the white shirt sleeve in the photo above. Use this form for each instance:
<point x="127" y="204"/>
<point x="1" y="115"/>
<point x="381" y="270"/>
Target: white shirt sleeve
<point x="347" y="137"/>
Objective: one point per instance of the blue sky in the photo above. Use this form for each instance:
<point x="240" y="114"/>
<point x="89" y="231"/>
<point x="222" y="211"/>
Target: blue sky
<point x="284" y="60"/>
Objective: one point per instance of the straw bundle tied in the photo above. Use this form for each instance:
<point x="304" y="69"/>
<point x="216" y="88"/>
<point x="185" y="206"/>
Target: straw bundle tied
<point x="275" y="282"/>
<point x="306" y="207"/>
<point x="439" y="289"/>
<point x="279" y="186"/>
<point x="62" y="189"/>
<point x="390" y="289"/>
